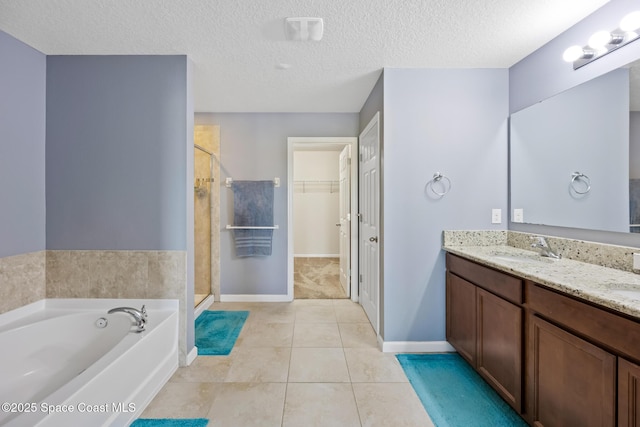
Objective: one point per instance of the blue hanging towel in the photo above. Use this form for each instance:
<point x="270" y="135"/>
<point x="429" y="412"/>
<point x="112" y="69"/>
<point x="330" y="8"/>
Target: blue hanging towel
<point x="253" y="207"/>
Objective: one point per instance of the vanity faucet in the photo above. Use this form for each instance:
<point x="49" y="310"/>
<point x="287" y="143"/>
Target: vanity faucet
<point x="139" y="316"/>
<point x="544" y="246"/>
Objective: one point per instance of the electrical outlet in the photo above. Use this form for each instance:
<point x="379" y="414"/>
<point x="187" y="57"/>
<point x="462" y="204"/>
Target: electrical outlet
<point x="636" y="261"/>
<point x="496" y="216"/>
<point x="518" y="215"/>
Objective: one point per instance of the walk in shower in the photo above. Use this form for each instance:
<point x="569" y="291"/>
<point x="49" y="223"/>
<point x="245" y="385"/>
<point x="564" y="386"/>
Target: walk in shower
<point x="203" y="199"/>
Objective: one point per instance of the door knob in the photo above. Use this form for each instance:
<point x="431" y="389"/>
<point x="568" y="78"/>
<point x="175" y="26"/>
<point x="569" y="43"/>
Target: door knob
<point x="373" y="239"/>
<point x="338" y="225"/>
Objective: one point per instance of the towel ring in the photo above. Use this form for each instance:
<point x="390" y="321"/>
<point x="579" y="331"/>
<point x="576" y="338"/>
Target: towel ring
<point x="439" y="178"/>
<point x="578" y="176"/>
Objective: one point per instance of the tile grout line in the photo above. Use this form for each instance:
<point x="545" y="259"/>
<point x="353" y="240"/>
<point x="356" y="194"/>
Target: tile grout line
<point x="353" y="393"/>
<point x="286" y="389"/>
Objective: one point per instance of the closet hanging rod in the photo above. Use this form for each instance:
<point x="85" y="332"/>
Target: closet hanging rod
<point x="247" y="227"/>
<point x="229" y="181"/>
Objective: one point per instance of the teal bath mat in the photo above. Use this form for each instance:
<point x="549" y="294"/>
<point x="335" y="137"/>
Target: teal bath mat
<point x="454" y="394"/>
<point x="170" y="422"/>
<point x="217" y="331"/>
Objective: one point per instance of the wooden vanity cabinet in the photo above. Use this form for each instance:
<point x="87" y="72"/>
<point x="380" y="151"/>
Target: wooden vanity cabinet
<point x="571" y="382"/>
<point x="558" y="360"/>
<point x="499" y="346"/>
<point x="628" y="393"/>
<point x="461" y="317"/>
<point x="485" y="325"/>
<point x="600" y="349"/>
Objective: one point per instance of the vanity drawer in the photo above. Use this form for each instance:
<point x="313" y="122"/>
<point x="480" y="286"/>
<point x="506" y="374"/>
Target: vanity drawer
<point x="508" y="287"/>
<point x="615" y="332"/>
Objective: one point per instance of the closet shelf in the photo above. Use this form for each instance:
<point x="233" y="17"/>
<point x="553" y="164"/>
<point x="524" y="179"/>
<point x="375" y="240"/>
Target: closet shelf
<point x="305" y="186"/>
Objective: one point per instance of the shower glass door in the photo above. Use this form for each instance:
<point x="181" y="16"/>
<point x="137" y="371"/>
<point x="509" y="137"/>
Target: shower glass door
<point x="202" y="223"/>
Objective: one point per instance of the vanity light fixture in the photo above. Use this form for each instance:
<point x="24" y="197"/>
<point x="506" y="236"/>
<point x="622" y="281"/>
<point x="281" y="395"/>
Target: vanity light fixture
<point x="603" y="42"/>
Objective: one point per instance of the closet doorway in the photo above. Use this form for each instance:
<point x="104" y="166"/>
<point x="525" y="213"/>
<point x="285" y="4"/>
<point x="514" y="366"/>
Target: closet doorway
<point x="322" y="200"/>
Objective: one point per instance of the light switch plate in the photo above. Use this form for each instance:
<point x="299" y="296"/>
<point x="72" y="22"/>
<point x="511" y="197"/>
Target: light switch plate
<point x="636" y="261"/>
<point x="496" y="216"/>
<point x="518" y="215"/>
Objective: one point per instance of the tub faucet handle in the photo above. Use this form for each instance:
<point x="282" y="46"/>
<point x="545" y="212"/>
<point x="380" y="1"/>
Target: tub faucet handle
<point x="139" y="316"/>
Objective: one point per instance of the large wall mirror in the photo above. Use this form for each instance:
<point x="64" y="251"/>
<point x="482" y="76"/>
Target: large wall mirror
<point x="575" y="157"/>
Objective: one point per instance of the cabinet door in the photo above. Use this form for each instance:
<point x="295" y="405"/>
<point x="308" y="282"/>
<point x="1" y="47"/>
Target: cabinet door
<point x="628" y="394"/>
<point x="499" y="350"/>
<point x="572" y="381"/>
<point x="461" y="317"/>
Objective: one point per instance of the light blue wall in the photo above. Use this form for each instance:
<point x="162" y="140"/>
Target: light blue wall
<point x="116" y="161"/>
<point x="254" y="147"/>
<point x="373" y="104"/>
<point x="544" y="74"/>
<point x="22" y="147"/>
<point x="189" y="115"/>
<point x="450" y="121"/>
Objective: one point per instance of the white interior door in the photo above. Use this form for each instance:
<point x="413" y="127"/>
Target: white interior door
<point x="345" y="218"/>
<point x="369" y="213"/>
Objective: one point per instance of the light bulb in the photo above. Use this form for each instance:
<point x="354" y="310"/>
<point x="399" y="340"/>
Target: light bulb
<point x="573" y="53"/>
<point x="599" y="39"/>
<point x="631" y="21"/>
<point x="630" y="35"/>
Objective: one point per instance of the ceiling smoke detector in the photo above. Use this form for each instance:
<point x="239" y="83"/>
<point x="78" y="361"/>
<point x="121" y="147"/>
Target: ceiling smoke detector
<point x="304" y="29"/>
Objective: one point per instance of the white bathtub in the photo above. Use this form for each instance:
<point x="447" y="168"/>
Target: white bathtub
<point x="58" y="367"/>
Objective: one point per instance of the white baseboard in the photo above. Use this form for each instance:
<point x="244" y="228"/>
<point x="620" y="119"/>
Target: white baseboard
<point x="417" y="347"/>
<point x="192" y="355"/>
<point x="255" y="298"/>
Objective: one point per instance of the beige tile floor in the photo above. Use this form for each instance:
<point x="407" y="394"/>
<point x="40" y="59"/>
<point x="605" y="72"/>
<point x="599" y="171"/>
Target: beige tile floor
<point x="300" y="364"/>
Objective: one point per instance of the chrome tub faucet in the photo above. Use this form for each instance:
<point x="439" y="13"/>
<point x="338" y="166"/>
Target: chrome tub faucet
<point x="139" y="316"/>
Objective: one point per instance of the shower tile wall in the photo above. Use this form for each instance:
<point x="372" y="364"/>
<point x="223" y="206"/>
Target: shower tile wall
<point x="22" y="280"/>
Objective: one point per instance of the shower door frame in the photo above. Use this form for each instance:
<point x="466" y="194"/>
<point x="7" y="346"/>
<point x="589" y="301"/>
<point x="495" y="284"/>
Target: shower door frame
<point x="211" y="294"/>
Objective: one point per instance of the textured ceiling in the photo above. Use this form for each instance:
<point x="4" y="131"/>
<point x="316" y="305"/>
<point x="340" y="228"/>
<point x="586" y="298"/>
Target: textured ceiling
<point x="236" y="46"/>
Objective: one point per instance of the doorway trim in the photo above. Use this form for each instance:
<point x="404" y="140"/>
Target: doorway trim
<point x="323" y="143"/>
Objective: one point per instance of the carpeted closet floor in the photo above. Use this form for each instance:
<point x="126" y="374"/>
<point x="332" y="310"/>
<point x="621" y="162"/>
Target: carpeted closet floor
<point x="317" y="278"/>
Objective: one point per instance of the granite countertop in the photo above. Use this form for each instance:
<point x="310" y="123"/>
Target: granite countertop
<point x="616" y="289"/>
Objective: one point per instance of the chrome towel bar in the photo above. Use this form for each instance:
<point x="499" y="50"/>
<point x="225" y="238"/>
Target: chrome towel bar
<point x="229" y="181"/>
